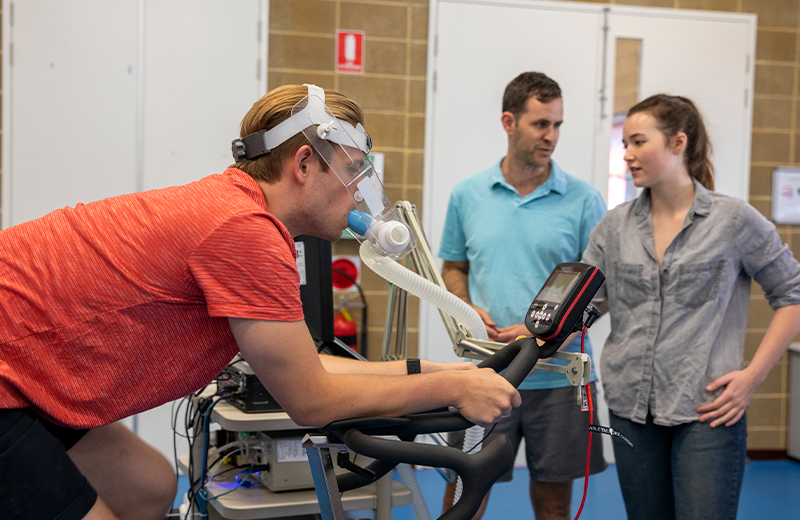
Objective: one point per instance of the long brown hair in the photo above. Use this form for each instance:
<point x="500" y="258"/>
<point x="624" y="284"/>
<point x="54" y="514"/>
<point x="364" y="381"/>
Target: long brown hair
<point x="675" y="114"/>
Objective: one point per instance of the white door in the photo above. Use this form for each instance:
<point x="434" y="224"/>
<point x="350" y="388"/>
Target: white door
<point x="480" y="47"/>
<point x="104" y="98"/>
<point x="205" y="66"/>
<point x="707" y="57"/>
<point x="69" y="104"/>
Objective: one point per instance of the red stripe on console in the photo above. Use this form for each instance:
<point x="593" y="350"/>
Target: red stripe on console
<point x="571" y="306"/>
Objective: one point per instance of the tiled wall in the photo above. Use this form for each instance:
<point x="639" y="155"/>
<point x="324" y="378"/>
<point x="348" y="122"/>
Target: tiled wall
<point x="301" y="50"/>
<point x="391" y="92"/>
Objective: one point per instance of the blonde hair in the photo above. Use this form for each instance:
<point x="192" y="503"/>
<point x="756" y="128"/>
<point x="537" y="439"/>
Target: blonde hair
<point x="274" y="108"/>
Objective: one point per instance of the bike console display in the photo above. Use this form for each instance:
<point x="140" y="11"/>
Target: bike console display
<point x="561" y="302"/>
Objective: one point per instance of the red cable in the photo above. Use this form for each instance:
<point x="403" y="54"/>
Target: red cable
<point x="589" y="448"/>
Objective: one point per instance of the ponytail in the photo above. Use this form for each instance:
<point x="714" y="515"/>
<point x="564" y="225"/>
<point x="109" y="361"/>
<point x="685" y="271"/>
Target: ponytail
<point x="675" y="114"/>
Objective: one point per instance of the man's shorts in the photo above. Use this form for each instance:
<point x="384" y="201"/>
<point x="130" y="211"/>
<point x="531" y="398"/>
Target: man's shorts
<point x="38" y="480"/>
<point x="555" y="432"/>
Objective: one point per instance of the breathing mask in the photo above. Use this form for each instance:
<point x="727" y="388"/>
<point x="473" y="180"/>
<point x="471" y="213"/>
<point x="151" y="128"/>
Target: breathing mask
<point x="344" y="149"/>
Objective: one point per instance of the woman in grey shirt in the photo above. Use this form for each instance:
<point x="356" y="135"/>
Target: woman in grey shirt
<point x="678" y="262"/>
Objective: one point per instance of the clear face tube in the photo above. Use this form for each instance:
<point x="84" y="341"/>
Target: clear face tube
<point x="343" y="149"/>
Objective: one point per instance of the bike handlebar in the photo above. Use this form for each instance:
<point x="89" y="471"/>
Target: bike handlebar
<point x="478" y="471"/>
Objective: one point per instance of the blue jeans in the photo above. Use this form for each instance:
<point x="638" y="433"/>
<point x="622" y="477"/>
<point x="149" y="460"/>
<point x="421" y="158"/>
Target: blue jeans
<point x="686" y="472"/>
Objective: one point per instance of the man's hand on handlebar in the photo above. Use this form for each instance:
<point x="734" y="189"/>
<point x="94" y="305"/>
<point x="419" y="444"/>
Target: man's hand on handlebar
<point x="486" y="397"/>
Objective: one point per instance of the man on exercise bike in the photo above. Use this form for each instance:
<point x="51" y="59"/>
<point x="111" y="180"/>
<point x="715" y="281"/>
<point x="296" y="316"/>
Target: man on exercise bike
<point x="118" y="306"/>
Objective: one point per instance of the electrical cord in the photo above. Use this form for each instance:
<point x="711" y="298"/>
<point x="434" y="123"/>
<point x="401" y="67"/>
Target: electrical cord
<point x="589" y="448"/>
<point x="256" y="469"/>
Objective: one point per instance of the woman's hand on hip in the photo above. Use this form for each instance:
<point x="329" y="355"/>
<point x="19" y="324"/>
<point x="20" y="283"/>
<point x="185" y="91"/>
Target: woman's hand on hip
<point x="731" y="404"/>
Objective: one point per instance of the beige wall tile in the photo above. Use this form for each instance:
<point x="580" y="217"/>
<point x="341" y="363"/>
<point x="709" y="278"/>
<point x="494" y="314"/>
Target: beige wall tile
<point x="797" y="117"/>
<point x="774" y="383"/>
<point x="395" y="192"/>
<point x="374" y="339"/>
<point x="375" y="93"/>
<point x="416" y="132"/>
<point x="393" y="168"/>
<point x="796" y="157"/>
<point x="770" y="147"/>
<point x="372" y="282"/>
<point x="760" y="314"/>
<point x="345" y="246"/>
<point x="386" y="130"/>
<point x="376" y="311"/>
<point x="414" y="196"/>
<point x="413" y="344"/>
<point x="416" y="165"/>
<point x="647" y="3"/>
<point x="775" y="45"/>
<point x="795" y="243"/>
<point x="774" y="80"/>
<point x="772" y="113"/>
<point x="751" y="342"/>
<point x="385" y="57"/>
<point x="419" y="23"/>
<point x="375" y="20"/>
<point x="773" y="13"/>
<point x="769" y="440"/>
<point x="763" y="207"/>
<point x="302" y="15"/>
<point x="417" y="93"/>
<point x="413" y="312"/>
<point x="761" y="180"/>
<point x="419" y="59"/>
<point x="765" y="411"/>
<point x="276" y="79"/>
<point x="301" y="52"/>
<point x="708" y="5"/>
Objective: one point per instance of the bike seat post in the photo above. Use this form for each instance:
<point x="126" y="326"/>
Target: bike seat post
<point x="319" y="458"/>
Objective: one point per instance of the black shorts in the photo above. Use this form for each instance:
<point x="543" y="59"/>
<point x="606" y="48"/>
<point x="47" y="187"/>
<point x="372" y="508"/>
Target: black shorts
<point x="556" y="435"/>
<point x="38" y="480"/>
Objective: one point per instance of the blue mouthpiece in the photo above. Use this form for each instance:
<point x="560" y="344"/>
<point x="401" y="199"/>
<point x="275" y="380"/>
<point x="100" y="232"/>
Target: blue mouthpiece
<point x="358" y="222"/>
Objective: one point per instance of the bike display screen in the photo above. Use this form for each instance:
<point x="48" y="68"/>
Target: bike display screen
<point x="557" y="286"/>
<point x="562" y="300"/>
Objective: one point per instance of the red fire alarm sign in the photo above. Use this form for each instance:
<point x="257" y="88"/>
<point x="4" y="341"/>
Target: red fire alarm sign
<point x="350" y="52"/>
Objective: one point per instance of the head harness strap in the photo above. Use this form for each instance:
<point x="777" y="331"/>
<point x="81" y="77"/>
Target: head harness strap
<point x="315" y="113"/>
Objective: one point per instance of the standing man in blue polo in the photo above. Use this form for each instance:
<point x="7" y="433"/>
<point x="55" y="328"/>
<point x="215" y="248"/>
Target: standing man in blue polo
<point x="506" y="229"/>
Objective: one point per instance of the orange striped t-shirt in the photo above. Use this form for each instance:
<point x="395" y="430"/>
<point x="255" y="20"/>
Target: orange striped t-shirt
<point x="114" y="307"/>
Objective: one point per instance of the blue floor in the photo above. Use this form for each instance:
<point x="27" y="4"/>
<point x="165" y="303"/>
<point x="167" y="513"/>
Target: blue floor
<point x="771" y="490"/>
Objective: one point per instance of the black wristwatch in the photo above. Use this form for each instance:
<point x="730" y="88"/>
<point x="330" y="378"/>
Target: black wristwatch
<point x="413" y="366"/>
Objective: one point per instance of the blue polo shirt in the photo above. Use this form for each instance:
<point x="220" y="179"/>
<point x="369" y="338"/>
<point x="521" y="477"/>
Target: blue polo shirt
<point x="513" y="243"/>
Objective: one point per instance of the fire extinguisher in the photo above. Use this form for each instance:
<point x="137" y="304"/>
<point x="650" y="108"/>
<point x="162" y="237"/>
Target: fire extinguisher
<point x="345" y="329"/>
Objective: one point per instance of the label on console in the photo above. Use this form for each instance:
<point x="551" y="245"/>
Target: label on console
<point x="291" y="451"/>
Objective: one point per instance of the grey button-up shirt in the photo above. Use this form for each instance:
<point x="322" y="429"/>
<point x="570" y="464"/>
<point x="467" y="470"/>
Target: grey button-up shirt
<point x="677" y="327"/>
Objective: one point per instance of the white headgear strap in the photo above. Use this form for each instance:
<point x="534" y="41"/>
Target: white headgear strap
<point x="315" y="113"/>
